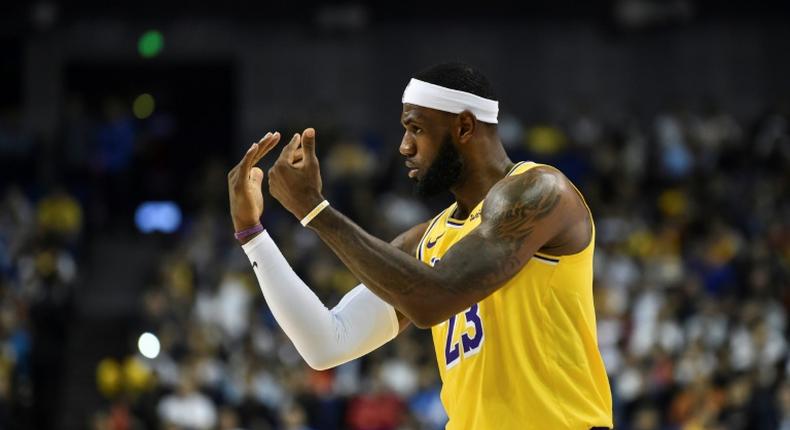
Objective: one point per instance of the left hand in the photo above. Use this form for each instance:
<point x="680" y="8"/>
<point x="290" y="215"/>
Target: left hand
<point x="295" y="178"/>
<point x="244" y="184"/>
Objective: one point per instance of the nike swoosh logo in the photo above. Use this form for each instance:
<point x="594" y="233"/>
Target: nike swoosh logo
<point x="254" y="264"/>
<point x="431" y="243"/>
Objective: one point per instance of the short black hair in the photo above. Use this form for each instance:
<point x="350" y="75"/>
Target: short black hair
<point x="458" y="76"/>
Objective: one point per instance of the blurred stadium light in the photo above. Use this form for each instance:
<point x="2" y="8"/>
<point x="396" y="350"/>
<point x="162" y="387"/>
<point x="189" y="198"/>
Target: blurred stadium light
<point x="164" y="217"/>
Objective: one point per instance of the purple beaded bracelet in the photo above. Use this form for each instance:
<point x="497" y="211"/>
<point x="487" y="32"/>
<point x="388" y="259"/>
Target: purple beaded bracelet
<point x="248" y="232"/>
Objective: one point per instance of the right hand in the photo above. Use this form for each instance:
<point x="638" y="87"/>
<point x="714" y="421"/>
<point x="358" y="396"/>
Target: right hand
<point x="244" y="184"/>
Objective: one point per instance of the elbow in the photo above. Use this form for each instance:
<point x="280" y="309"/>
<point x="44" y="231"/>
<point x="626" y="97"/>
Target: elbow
<point x="422" y="324"/>
<point x="426" y="311"/>
<point x="430" y="310"/>
<point x="321" y="355"/>
<point x="320" y="363"/>
<point x="425" y="323"/>
<point x="424" y="319"/>
<point x="427" y="314"/>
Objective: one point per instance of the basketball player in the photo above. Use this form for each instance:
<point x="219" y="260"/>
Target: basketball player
<point x="502" y="277"/>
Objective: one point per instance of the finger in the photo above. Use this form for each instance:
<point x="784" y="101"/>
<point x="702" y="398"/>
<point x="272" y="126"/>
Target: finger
<point x="249" y="156"/>
<point x="296" y="157"/>
<point x="265" y="145"/>
<point x="243" y="169"/>
<point x="256" y="175"/>
<point x="295" y="142"/>
<point x="288" y="149"/>
<point x="308" y="146"/>
<point x="262" y="145"/>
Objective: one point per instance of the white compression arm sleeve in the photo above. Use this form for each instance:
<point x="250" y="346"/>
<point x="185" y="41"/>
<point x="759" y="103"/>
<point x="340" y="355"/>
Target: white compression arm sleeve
<point x="325" y="338"/>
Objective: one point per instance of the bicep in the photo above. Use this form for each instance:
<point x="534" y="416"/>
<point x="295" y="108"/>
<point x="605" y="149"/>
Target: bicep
<point x="520" y="215"/>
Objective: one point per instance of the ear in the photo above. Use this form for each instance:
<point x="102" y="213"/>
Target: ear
<point x="466" y="125"/>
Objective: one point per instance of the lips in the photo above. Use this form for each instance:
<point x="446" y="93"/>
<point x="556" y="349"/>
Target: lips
<point x="413" y="169"/>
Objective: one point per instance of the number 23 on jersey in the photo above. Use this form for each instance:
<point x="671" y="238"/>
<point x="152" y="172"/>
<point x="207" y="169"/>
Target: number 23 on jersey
<point x="471" y="340"/>
<point x="472" y="336"/>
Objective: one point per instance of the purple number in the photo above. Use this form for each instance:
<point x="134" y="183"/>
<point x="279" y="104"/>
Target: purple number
<point x="451" y="351"/>
<point x="471" y="345"/>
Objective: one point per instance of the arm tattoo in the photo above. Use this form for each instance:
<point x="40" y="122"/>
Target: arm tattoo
<point x="529" y="199"/>
<point x="518" y="217"/>
<point x="510" y="214"/>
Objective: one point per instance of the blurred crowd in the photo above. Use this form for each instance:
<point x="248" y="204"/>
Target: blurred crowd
<point x="692" y="270"/>
<point x="692" y="286"/>
<point x="40" y="242"/>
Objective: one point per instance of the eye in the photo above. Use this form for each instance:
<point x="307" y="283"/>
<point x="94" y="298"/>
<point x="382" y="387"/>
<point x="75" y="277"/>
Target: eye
<point x="416" y="130"/>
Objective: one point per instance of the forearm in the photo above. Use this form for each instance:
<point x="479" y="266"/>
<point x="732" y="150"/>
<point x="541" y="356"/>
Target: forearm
<point x="426" y="295"/>
<point x="520" y="215"/>
<point x="360" y="323"/>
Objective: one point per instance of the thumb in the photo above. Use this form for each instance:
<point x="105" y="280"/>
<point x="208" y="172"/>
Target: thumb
<point x="256" y="175"/>
<point x="308" y="146"/>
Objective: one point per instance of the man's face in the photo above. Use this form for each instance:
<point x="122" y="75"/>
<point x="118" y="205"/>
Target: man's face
<point x="434" y="162"/>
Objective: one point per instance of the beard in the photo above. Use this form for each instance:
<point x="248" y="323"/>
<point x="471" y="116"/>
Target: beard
<point x="443" y="173"/>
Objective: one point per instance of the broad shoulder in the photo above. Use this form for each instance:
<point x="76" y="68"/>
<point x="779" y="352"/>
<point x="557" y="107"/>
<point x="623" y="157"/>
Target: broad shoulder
<point x="541" y="204"/>
<point x="538" y="189"/>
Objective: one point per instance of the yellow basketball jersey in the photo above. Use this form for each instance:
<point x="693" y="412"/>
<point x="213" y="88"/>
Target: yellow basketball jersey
<point x="525" y="357"/>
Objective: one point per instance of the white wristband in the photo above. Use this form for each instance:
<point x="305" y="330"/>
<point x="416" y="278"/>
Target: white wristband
<point x="314" y="213"/>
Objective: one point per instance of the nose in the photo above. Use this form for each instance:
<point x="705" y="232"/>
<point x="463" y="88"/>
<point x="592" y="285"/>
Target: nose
<point x="407" y="147"/>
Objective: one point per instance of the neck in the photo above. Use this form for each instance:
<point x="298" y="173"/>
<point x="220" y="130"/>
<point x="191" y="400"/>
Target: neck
<point x="481" y="172"/>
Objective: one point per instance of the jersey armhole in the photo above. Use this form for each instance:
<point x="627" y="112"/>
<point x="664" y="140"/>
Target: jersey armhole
<point x="591" y="242"/>
<point x="418" y="251"/>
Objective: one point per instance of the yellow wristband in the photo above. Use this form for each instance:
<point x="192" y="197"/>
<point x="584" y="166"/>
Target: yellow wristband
<point x="314" y="213"/>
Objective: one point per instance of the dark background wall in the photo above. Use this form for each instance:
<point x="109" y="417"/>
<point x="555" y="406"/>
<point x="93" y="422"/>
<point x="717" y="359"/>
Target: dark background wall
<point x="352" y="70"/>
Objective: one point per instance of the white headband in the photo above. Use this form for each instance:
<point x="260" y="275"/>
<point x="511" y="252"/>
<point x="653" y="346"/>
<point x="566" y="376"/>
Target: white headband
<point x="437" y="97"/>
